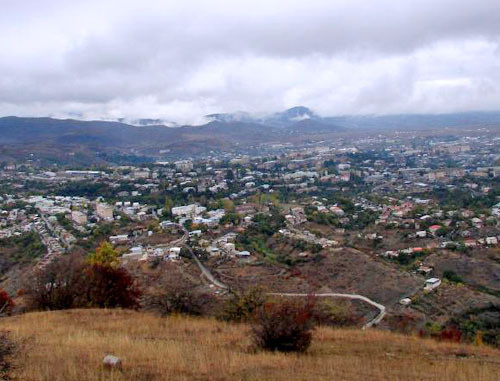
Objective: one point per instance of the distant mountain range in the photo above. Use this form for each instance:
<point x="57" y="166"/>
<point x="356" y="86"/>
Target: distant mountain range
<point x="280" y="119"/>
<point x="222" y="132"/>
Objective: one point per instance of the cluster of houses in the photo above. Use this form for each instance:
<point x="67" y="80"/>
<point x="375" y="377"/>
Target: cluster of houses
<point x="308" y="237"/>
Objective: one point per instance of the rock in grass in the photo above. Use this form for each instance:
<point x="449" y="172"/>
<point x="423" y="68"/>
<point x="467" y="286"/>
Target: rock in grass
<point x="112" y="362"/>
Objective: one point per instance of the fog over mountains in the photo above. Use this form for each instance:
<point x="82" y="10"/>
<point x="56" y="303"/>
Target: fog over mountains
<point x="222" y="131"/>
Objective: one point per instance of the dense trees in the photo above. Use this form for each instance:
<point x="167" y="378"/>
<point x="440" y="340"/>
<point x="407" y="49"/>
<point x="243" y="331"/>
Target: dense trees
<point x="74" y="282"/>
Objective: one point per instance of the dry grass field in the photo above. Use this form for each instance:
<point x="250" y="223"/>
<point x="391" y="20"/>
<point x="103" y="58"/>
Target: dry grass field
<point x="70" y="345"/>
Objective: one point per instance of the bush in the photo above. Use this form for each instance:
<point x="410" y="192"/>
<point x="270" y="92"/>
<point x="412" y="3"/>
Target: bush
<point x="330" y="313"/>
<point x="6" y="303"/>
<point x="178" y="300"/>
<point x="109" y="287"/>
<point x="69" y="282"/>
<point x="452" y="276"/>
<point x="242" y="305"/>
<point x="7" y="349"/>
<point x="285" y="327"/>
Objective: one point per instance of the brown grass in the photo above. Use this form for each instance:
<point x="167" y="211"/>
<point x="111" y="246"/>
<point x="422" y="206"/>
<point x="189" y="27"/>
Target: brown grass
<point x="70" y="345"/>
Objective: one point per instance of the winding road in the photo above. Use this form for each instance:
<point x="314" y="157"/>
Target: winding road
<point x="377" y="319"/>
<point x="209" y="276"/>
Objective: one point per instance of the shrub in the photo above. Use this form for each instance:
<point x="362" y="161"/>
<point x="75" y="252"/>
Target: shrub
<point x="452" y="276"/>
<point x="7" y="349"/>
<point x="6" y="303"/>
<point x="285" y="327"/>
<point x="178" y="301"/>
<point x="328" y="312"/>
<point x="452" y="334"/>
<point x="69" y="282"/>
<point x="109" y="287"/>
<point x="242" y="305"/>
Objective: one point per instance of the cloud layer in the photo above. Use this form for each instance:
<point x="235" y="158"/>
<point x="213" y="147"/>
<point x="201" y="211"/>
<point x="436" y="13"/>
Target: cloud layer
<point x="182" y="60"/>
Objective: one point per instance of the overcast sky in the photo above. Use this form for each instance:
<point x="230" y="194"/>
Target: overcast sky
<point x="180" y="60"/>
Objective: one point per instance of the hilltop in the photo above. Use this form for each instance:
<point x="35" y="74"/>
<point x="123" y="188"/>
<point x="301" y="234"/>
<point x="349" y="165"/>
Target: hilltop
<point x="70" y="345"/>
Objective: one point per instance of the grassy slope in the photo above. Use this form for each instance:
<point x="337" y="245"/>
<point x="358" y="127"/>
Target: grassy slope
<point x="70" y="345"/>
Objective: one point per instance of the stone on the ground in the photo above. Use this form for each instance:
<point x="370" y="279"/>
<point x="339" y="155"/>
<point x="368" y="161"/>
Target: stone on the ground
<point x="112" y="362"/>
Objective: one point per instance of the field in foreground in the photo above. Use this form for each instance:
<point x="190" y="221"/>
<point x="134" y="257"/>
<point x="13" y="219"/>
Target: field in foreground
<point x="70" y="345"/>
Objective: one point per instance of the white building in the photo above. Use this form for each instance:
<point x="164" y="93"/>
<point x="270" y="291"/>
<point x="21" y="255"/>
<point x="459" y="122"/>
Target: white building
<point x="116" y="239"/>
<point x="432" y="283"/>
<point x="188" y="210"/>
<point x="104" y="211"/>
<point x="174" y="252"/>
<point x="78" y="217"/>
<point x="184" y="166"/>
<point x="491" y="241"/>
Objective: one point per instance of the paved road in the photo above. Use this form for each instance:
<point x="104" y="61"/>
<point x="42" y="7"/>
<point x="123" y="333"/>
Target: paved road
<point x="377" y="319"/>
<point x="206" y="272"/>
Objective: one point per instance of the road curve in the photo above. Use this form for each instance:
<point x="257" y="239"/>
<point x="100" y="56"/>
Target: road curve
<point x="377" y="319"/>
<point x="206" y="272"/>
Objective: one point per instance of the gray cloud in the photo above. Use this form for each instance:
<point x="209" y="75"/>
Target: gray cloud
<point x="180" y="61"/>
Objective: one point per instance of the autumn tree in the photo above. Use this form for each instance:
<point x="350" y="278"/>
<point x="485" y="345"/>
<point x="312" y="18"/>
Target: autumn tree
<point x="104" y="255"/>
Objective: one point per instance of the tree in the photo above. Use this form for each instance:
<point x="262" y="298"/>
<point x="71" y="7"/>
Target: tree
<point x="229" y="175"/>
<point x="188" y="224"/>
<point x="58" y="286"/>
<point x="241" y="306"/>
<point x="228" y="205"/>
<point x="105" y="255"/>
<point x="168" y="205"/>
<point x="71" y="282"/>
<point x="109" y="287"/>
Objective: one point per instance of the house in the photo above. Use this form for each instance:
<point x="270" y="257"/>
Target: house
<point x="134" y="252"/>
<point x="434" y="228"/>
<point x="405" y="301"/>
<point x="477" y="222"/>
<point x="390" y="254"/>
<point x="470" y="243"/>
<point x="116" y="239"/>
<point x="432" y="283"/>
<point x="174" y="252"/>
<point x="188" y="210"/>
<point x="421" y="234"/>
<point x="491" y="240"/>
<point x="337" y="211"/>
<point x="425" y="270"/>
<point x="78" y="217"/>
<point x="213" y="251"/>
<point x="104" y="211"/>
<point x="184" y="166"/>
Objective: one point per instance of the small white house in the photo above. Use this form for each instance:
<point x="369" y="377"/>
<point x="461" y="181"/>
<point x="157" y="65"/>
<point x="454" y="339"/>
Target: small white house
<point x="491" y="240"/>
<point x="421" y="234"/>
<point x="432" y="283"/>
<point x="174" y="252"/>
<point x="405" y="301"/>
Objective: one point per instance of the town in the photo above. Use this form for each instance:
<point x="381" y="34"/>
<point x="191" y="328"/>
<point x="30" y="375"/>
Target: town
<point x="400" y="219"/>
